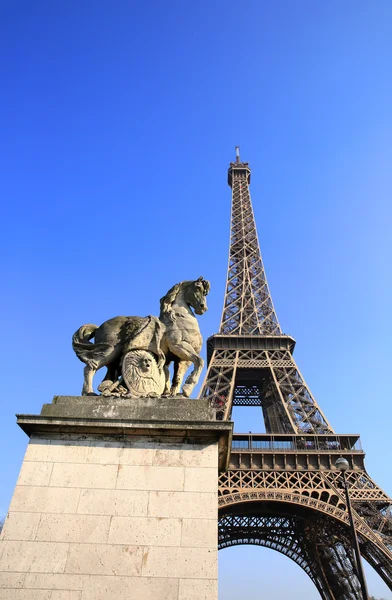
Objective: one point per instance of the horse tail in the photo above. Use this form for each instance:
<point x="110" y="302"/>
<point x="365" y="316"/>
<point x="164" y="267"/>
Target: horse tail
<point x="84" y="334"/>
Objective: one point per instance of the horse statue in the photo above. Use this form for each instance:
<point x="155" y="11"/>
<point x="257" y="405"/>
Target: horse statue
<point x="173" y="337"/>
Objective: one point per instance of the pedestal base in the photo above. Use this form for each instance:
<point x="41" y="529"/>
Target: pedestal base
<point x="116" y="499"/>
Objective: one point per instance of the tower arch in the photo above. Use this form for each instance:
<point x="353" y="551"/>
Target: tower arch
<point x="320" y="543"/>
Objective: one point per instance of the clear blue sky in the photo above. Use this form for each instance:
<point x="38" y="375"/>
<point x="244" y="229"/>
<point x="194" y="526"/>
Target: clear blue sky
<point x="118" y="122"/>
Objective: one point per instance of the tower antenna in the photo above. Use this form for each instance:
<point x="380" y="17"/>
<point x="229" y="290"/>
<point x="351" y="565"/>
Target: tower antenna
<point x="237" y="154"/>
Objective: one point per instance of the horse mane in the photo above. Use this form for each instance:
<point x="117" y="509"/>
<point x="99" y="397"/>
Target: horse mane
<point x="167" y="300"/>
<point x="206" y="286"/>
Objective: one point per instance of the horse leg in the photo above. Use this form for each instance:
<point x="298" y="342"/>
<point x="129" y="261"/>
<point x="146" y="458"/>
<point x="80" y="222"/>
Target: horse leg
<point x="180" y="368"/>
<point x="166" y="391"/>
<point x="89" y="371"/>
<point x="185" y="352"/>
<point x="193" y="377"/>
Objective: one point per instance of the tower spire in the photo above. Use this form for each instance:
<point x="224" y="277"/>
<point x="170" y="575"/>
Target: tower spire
<point x="248" y="307"/>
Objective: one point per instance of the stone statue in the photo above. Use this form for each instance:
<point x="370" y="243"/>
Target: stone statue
<point x="174" y="337"/>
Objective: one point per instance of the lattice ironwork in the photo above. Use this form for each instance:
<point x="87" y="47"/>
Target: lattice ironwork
<point x="320" y="546"/>
<point x="248" y="307"/>
<point x="282" y="489"/>
<point x="287" y="402"/>
<point x="321" y="493"/>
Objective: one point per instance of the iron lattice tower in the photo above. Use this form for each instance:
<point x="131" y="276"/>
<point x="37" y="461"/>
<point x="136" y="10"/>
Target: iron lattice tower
<point x="282" y="489"/>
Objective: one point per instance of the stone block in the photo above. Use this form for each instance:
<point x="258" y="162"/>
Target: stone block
<point x="35" y="473"/>
<point x="200" y="563"/>
<point x="57" y="450"/>
<point x="200" y="533"/>
<point x="107" y="559"/>
<point x="45" y="499"/>
<point x="145" y="531"/>
<point x="25" y="594"/>
<point x="65" y="595"/>
<point x="150" y="478"/>
<point x="189" y="455"/>
<point x="54" y="581"/>
<point x="198" y="589"/>
<point x="145" y="409"/>
<point x="41" y="557"/>
<point x="84" y="476"/>
<point x="128" y="503"/>
<point x="143" y="588"/>
<point x="201" y="479"/>
<point x="21" y="526"/>
<point x="118" y="453"/>
<point x="169" y="456"/>
<point x="89" y="529"/>
<point x="193" y="505"/>
<point x="12" y="580"/>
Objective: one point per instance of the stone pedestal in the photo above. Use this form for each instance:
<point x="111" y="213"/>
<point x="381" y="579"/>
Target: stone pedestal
<point x="116" y="499"/>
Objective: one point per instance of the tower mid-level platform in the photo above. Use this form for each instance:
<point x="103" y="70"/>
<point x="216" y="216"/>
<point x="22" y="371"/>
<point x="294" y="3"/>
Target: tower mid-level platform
<point x="249" y="342"/>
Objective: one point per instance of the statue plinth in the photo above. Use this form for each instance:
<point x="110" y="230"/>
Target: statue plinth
<point x="181" y="418"/>
<point x="117" y="495"/>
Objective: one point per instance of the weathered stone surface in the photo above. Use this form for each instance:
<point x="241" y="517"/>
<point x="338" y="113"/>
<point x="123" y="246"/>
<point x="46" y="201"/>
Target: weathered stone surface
<point x="35" y="473"/>
<point x="128" y="503"/>
<point x="200" y="533"/>
<point x="104" y="559"/>
<point x="194" y="505"/>
<point x="56" y="450"/>
<point x="41" y="557"/>
<point x="88" y="529"/>
<point x="54" y="581"/>
<point x="191" y="455"/>
<point x="180" y="562"/>
<point x="21" y="526"/>
<point x="148" y="409"/>
<point x="85" y="476"/>
<point x="145" y="531"/>
<point x="145" y="588"/>
<point x="65" y="595"/>
<point x="12" y="580"/>
<point x="9" y="594"/>
<point x="152" y="478"/>
<point x="200" y="479"/>
<point x="198" y="589"/>
<point x="120" y="453"/>
<point x="45" y="499"/>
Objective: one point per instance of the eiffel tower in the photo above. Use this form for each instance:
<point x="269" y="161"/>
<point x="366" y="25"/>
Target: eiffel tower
<point x="282" y="489"/>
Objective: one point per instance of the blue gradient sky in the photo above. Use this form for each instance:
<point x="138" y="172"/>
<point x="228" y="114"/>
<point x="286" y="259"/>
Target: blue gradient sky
<point x="118" y="122"/>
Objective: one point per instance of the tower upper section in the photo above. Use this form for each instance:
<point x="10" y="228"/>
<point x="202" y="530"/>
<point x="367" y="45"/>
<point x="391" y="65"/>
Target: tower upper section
<point x="248" y="307"/>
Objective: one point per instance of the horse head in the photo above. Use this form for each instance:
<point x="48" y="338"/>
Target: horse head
<point x="195" y="294"/>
